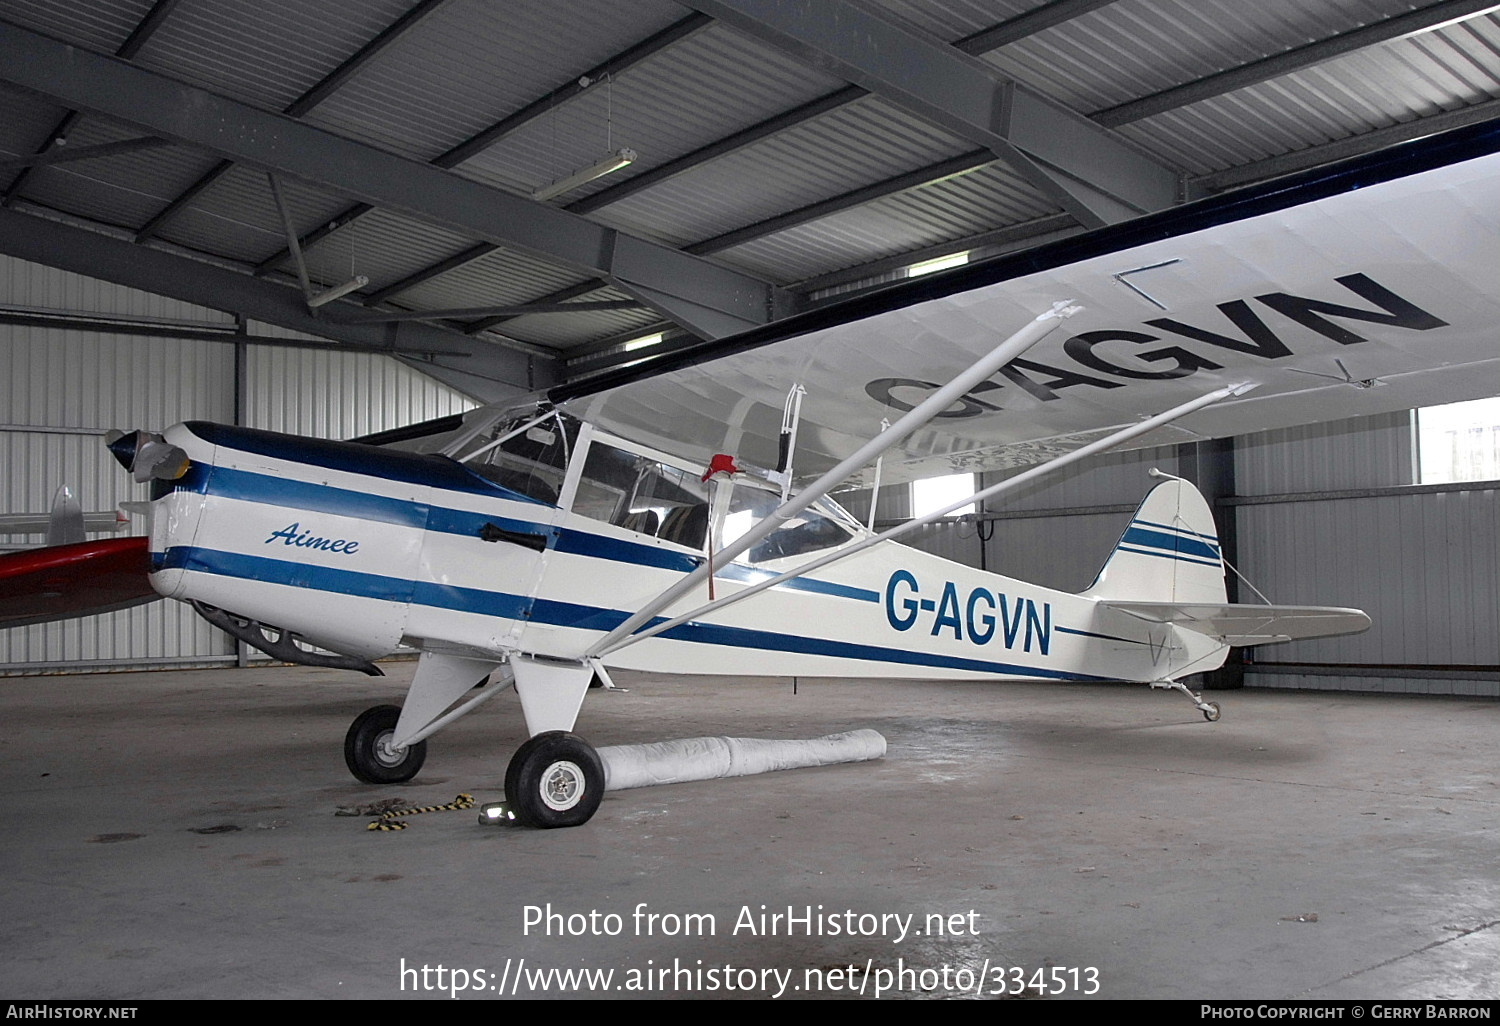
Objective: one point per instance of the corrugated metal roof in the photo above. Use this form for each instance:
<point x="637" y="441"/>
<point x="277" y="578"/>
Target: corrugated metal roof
<point x="701" y="89"/>
<point x="471" y="63"/>
<point x="727" y="165"/>
<point x="855" y="146"/>
<point x="269" y="59"/>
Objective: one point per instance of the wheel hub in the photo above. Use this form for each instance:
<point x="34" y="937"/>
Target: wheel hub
<point x="562" y="786"/>
<point x="387" y="754"/>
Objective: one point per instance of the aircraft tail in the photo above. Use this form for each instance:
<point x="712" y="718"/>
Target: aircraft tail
<point x="1169" y="552"/>
<point x="65" y="525"/>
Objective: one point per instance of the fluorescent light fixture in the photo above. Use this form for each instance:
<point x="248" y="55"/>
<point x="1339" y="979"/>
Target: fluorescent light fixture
<point x="359" y="281"/>
<point x="612" y="162"/>
<point x="642" y="342"/>
<point x="940" y="264"/>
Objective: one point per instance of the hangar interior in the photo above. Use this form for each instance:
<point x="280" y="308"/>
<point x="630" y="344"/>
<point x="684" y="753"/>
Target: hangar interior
<point x="339" y="218"/>
<point x="181" y="175"/>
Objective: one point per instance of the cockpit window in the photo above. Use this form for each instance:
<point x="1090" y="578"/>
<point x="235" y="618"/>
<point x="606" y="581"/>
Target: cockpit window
<point x="643" y="495"/>
<point x="533" y="461"/>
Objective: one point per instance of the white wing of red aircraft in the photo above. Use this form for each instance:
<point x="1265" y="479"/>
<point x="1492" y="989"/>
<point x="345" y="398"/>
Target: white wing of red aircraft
<point x="675" y="516"/>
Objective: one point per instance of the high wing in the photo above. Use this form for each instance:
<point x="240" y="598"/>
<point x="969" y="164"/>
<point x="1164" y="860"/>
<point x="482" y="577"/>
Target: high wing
<point x="1362" y="288"/>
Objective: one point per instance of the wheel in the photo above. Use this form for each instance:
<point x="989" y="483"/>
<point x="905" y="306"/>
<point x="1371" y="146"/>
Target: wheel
<point x="1211" y="714"/>
<point x="367" y="750"/>
<point x="554" y="780"/>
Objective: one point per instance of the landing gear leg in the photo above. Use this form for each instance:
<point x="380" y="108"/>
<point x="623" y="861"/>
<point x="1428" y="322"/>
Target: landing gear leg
<point x="555" y="779"/>
<point x="1210" y="710"/>
<point x="386" y="744"/>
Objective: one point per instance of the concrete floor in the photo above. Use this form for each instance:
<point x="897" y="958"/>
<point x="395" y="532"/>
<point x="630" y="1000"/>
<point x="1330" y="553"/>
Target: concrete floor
<point x="173" y="835"/>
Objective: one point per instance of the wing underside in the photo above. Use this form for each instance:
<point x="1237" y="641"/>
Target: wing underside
<point x="1354" y="291"/>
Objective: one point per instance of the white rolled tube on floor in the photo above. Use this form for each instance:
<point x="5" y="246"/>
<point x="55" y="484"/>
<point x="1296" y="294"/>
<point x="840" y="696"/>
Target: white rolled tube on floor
<point x="707" y="758"/>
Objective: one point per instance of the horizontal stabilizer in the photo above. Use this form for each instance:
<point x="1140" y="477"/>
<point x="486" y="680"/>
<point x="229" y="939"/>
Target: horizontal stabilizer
<point x="1242" y="625"/>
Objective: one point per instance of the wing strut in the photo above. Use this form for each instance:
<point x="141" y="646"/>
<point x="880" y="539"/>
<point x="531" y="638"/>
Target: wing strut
<point x="1109" y="441"/>
<point x="920" y="414"/>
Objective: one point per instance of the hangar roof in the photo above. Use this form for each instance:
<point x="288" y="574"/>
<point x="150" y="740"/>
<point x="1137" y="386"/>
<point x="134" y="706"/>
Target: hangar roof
<point x="785" y="151"/>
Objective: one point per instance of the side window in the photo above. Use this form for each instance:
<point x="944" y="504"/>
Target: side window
<point x="643" y="495"/>
<point x="808" y="531"/>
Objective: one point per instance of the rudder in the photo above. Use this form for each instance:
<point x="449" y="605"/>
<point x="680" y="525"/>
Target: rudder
<point x="1168" y="553"/>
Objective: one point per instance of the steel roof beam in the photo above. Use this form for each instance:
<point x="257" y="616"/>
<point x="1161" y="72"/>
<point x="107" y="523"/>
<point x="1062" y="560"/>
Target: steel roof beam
<point x="1013" y="30"/>
<point x="513" y="310"/>
<point x="583" y="288"/>
<point x="479" y="142"/>
<point x="298" y="107"/>
<point x="128" y="49"/>
<point x="1006" y="32"/>
<point x="493" y="371"/>
<point x="708" y="299"/>
<point x="950" y="168"/>
<point x="1093" y="174"/>
<point x="1421" y="20"/>
<point x="1340" y="149"/>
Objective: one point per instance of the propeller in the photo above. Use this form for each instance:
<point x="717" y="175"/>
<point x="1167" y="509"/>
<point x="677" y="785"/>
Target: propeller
<point x="147" y="456"/>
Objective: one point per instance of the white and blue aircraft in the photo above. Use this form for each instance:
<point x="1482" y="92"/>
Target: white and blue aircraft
<point x="677" y="516"/>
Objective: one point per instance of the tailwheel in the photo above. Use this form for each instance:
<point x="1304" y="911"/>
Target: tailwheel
<point x="1210" y="710"/>
<point x="368" y="751"/>
<point x="554" y="780"/>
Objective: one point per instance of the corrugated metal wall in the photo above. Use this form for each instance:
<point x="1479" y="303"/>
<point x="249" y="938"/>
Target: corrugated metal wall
<point x="1337" y="527"/>
<point x="61" y="390"/>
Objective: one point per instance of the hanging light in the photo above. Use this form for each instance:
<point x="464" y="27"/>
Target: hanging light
<point x="609" y="164"/>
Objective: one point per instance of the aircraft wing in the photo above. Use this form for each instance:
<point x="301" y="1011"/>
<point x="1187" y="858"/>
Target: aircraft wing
<point x="1360" y="288"/>
<point x="1242" y="624"/>
<point x="65" y="581"/>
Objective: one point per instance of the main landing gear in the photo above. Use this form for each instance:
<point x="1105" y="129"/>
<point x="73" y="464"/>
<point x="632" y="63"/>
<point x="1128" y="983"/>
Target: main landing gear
<point x="368" y="751"/>
<point x="1210" y="710"/>
<point x="554" y="780"/>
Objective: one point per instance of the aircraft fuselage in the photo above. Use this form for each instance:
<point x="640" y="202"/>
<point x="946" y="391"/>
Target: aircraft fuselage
<point x="360" y="549"/>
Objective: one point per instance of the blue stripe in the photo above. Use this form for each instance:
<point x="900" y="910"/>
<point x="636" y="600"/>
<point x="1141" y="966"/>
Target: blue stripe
<point x="567" y="614"/>
<point x="247" y="486"/>
<point x="356" y="458"/>
<point x="1183" y="530"/>
<point x="1169" y="543"/>
<point x="1101" y="637"/>
<point x="1169" y="555"/>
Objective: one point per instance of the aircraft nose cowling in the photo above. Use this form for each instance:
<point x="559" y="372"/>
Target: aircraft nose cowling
<point x="147" y="456"/>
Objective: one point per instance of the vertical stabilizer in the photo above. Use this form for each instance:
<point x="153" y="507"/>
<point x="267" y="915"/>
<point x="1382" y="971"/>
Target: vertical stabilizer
<point x="65" y="524"/>
<point x="1168" y="553"/>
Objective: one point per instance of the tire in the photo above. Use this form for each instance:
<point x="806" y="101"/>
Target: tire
<point x="554" y="780"/>
<point x="364" y="757"/>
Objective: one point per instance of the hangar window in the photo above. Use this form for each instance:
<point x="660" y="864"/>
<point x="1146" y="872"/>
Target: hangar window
<point x="1459" y="442"/>
<point x="932" y="494"/>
